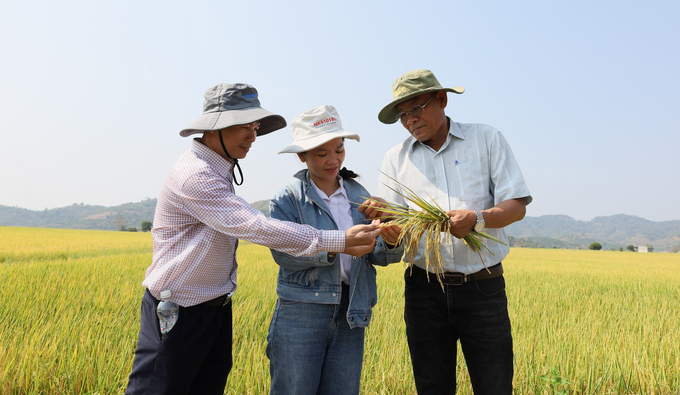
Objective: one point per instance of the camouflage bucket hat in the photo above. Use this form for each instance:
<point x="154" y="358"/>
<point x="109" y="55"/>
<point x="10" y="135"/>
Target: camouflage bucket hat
<point x="408" y="86"/>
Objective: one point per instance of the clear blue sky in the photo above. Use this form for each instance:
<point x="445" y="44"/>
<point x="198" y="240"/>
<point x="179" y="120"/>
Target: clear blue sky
<point x="93" y="94"/>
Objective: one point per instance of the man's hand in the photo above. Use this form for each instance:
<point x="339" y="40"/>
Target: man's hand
<point x="499" y="216"/>
<point x="391" y="234"/>
<point x="462" y="222"/>
<point x="360" y="239"/>
<point x="374" y="205"/>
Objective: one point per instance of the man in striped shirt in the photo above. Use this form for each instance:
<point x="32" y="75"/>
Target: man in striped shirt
<point x="198" y="222"/>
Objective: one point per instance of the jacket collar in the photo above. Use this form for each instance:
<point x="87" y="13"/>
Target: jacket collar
<point x="308" y="190"/>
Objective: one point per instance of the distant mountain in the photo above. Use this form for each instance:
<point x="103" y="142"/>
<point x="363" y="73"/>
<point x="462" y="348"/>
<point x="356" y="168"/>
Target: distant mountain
<point x="84" y="216"/>
<point x="547" y="231"/>
<point x="262" y="205"/>
<point x="614" y="231"/>
<point x="81" y="216"/>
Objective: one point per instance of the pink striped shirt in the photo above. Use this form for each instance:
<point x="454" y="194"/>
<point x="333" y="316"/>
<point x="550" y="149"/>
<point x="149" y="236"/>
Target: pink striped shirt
<point x="197" y="225"/>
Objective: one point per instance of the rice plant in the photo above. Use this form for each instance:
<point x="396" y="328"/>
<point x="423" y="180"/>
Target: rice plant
<point x="69" y="318"/>
<point x="429" y="222"/>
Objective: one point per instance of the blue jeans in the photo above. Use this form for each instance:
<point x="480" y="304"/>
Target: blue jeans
<point x="475" y="313"/>
<point x="312" y="350"/>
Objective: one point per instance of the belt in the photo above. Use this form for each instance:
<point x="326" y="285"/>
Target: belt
<point x="218" y="301"/>
<point x="454" y="278"/>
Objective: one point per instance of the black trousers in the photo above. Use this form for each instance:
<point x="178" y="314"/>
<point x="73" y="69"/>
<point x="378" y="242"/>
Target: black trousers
<point x="193" y="358"/>
<point x="476" y="314"/>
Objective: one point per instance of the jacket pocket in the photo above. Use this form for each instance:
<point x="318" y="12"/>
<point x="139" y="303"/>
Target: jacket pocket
<point x="302" y="278"/>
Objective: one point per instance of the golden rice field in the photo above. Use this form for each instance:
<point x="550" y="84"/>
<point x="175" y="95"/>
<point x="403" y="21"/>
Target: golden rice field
<point x="608" y="322"/>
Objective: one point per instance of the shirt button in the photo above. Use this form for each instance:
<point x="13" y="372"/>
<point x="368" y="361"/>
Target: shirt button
<point x="316" y="294"/>
<point x="355" y="258"/>
<point x="364" y="319"/>
<point x="333" y="294"/>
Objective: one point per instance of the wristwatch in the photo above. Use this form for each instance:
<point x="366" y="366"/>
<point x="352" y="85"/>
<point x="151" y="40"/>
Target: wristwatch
<point x="480" y="224"/>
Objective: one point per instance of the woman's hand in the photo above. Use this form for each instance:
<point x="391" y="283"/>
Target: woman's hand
<point x="371" y="208"/>
<point x="390" y="233"/>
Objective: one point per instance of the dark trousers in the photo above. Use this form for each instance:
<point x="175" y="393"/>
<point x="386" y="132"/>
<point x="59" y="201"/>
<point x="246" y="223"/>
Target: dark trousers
<point x="476" y="314"/>
<point x="193" y="358"/>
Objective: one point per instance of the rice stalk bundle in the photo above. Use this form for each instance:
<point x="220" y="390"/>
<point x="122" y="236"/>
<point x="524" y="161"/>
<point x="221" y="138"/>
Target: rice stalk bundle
<point x="431" y="221"/>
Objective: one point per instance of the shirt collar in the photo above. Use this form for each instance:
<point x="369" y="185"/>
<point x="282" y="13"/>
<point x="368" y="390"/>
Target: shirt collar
<point x="219" y="164"/>
<point x="322" y="194"/>
<point x="454" y="131"/>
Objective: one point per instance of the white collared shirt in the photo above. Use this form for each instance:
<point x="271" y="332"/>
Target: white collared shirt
<point x="474" y="170"/>
<point x="341" y="211"/>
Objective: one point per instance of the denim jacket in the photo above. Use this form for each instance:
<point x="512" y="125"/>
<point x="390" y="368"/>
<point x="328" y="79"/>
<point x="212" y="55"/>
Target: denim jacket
<point x="316" y="279"/>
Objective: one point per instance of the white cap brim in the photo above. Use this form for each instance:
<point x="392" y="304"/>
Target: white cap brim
<point x="317" y="141"/>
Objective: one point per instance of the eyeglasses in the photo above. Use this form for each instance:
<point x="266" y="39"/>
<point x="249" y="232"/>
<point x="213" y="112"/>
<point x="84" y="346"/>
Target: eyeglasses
<point x="415" y="111"/>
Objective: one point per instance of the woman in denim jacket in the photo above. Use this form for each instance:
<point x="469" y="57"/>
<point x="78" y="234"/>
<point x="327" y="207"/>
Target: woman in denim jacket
<point x="316" y="336"/>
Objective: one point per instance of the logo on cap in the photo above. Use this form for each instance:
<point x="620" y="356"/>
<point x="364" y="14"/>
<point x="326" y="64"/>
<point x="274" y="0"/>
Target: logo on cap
<point x="325" y="122"/>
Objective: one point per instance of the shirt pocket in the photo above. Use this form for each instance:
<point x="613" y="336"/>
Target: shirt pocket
<point x="472" y="178"/>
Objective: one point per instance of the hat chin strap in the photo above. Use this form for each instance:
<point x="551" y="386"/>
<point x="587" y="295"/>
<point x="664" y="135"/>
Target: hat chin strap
<point x="236" y="165"/>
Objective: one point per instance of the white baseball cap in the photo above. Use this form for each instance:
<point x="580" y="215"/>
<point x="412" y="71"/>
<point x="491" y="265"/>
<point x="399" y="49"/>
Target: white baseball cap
<point x="316" y="127"/>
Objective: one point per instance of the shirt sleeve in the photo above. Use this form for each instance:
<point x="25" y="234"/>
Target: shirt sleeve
<point x="211" y="200"/>
<point x="506" y="176"/>
<point x="386" y="183"/>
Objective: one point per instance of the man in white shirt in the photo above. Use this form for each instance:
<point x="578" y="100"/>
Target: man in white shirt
<point x="197" y="225"/>
<point x="470" y="171"/>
